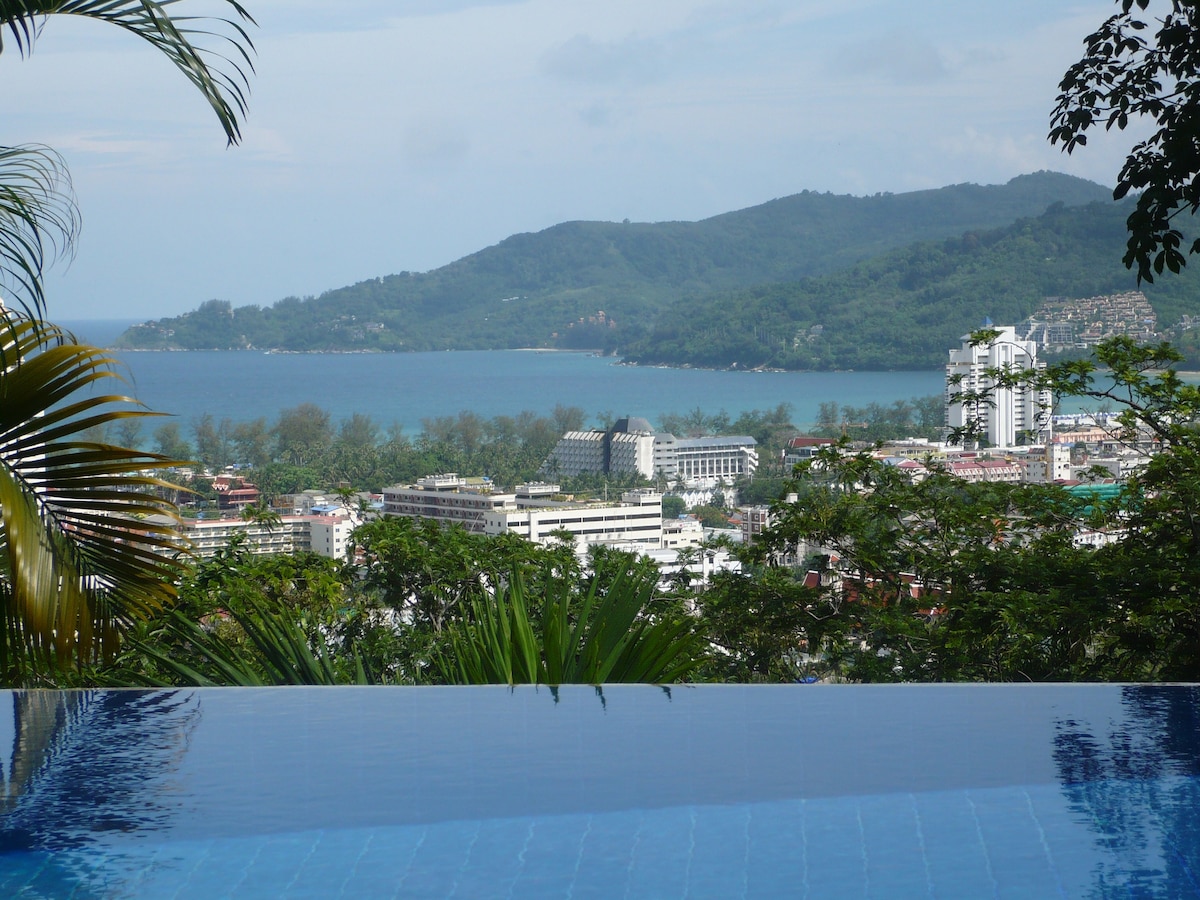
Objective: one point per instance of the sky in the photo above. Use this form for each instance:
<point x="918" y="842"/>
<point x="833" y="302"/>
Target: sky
<point x="401" y="135"/>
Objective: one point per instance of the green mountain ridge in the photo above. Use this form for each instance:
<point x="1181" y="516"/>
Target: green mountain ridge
<point x="545" y="289"/>
<point x="906" y="308"/>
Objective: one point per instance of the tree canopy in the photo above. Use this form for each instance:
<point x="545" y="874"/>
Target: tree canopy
<point x="1135" y="69"/>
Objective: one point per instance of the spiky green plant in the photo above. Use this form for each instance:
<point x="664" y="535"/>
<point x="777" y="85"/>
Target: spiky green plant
<point x="87" y="544"/>
<point x="277" y="652"/>
<point x="602" y="636"/>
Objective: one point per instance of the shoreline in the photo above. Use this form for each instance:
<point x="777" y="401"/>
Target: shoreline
<point x="597" y="354"/>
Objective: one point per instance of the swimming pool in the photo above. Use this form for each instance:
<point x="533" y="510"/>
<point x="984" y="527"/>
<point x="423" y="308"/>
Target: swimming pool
<point x="712" y="791"/>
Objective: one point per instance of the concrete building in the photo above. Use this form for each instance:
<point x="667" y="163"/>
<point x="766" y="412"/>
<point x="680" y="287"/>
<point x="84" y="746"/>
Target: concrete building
<point x="802" y="448"/>
<point x="636" y="520"/>
<point x="632" y="446"/>
<point x="534" y="511"/>
<point x="682" y="532"/>
<point x="446" y="498"/>
<point x="976" y="470"/>
<point x="975" y="400"/>
<point x="1045" y="464"/>
<point x="326" y="535"/>
<point x="711" y="460"/>
<point x="625" y="448"/>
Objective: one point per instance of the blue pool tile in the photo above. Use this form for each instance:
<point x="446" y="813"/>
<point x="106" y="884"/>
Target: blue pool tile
<point x="606" y="855"/>
<point x="777" y="851"/>
<point x="494" y="859"/>
<point x="949" y="792"/>
<point x="438" y="859"/>
<point x="720" y="851"/>
<point x="894" y="849"/>
<point x="661" y="853"/>
<point x="955" y="852"/>
<point x="382" y="864"/>
<point x="550" y="862"/>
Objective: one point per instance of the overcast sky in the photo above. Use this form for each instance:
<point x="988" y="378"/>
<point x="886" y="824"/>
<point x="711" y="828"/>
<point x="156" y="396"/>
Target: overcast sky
<point x="391" y="135"/>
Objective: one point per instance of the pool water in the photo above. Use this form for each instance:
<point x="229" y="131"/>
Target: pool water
<point x="714" y="791"/>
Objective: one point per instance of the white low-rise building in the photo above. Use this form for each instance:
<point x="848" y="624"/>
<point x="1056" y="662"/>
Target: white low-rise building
<point x="446" y="498"/>
<point x="714" y="460"/>
<point x="685" y="531"/>
<point x="326" y="535"/>
<point x="637" y="519"/>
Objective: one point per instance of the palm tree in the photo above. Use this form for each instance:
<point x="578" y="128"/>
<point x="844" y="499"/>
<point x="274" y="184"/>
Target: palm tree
<point x="84" y="549"/>
<point x="87" y="545"/>
<point x="38" y="216"/>
<point x="260" y="513"/>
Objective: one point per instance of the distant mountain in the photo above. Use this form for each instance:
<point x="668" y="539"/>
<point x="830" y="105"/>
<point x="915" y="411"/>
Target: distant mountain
<point x="906" y="308"/>
<point x="546" y="289"/>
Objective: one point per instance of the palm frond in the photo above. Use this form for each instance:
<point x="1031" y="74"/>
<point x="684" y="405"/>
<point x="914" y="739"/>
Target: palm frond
<point x="213" y="52"/>
<point x="277" y="652"/>
<point x="39" y="221"/>
<point x="87" y="544"/>
<point x="594" y="639"/>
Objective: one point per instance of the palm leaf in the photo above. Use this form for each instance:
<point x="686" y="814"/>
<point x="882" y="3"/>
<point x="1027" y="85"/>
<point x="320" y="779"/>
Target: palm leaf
<point x="87" y="544"/>
<point x="213" y="52"/>
<point x="277" y="652"/>
<point x="610" y="640"/>
<point x="38" y="220"/>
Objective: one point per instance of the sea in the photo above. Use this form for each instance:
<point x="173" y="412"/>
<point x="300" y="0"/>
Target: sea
<point x="404" y="389"/>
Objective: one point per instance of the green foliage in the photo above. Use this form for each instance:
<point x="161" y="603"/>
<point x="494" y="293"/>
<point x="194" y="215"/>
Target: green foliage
<point x="766" y="626"/>
<point x="80" y="556"/>
<point x="84" y="548"/>
<point x="918" y="417"/>
<point x="941" y="579"/>
<point x="530" y="287"/>
<point x="673" y="507"/>
<point x="603" y="636"/>
<point x="1126" y="75"/>
<point x="38" y="216"/>
<point x="432" y="605"/>
<point x="711" y="516"/>
<point x="248" y="620"/>
<point x="904" y="309"/>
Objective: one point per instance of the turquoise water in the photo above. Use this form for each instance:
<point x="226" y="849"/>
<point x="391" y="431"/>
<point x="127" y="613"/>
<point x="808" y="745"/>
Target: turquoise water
<point x="405" y="388"/>
<point x="954" y="791"/>
<point x="409" y="387"/>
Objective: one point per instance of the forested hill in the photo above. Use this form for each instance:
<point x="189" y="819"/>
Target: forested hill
<point x="907" y="308"/>
<point x="545" y="289"/>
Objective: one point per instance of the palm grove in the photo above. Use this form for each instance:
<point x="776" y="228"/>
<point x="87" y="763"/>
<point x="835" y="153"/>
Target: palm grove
<point x="931" y="580"/>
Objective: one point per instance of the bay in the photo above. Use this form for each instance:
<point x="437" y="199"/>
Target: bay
<point x="406" y="388"/>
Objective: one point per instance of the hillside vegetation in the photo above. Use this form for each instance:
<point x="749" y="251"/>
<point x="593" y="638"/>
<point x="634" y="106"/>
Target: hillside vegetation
<point x="905" y="309"/>
<point x="541" y="289"/>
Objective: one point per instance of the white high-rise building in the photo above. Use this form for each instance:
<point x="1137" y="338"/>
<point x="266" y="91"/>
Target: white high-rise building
<point x="1001" y="413"/>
